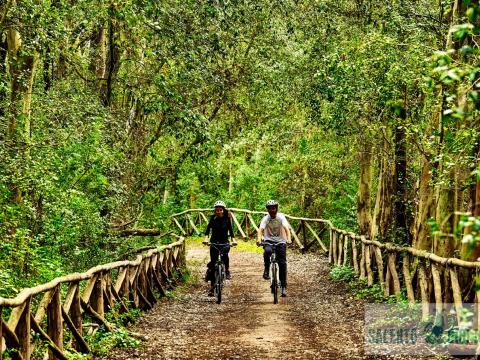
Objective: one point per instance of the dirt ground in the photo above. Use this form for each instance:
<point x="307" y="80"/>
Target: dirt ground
<point x="318" y="320"/>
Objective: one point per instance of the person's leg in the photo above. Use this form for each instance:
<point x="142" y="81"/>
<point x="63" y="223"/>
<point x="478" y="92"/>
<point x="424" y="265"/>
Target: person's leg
<point x="282" y="263"/>
<point x="211" y="268"/>
<point x="226" y="261"/>
<point x="210" y="265"/>
<point x="225" y="258"/>
<point x="266" y="260"/>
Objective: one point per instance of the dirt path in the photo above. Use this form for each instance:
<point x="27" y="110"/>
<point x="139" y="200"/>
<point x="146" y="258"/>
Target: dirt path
<point x="317" y="320"/>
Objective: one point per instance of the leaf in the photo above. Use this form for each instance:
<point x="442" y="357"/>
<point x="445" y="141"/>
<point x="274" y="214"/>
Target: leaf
<point x="471" y="14"/>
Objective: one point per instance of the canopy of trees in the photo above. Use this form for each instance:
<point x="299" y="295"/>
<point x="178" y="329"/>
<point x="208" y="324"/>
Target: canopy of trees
<point x="116" y="114"/>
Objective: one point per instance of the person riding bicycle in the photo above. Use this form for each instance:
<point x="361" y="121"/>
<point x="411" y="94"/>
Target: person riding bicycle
<point x="274" y="228"/>
<point x="221" y="227"/>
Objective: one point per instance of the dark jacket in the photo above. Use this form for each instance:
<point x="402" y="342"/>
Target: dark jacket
<point x="221" y="227"/>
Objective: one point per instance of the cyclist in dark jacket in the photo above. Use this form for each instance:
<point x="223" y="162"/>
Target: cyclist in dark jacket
<point x="221" y="226"/>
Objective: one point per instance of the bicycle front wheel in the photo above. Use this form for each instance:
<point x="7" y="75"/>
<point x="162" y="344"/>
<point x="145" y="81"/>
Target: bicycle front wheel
<point x="218" y="283"/>
<point x="274" y="282"/>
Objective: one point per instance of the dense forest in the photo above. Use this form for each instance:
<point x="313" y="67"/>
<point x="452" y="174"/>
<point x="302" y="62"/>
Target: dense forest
<point x="116" y="114"/>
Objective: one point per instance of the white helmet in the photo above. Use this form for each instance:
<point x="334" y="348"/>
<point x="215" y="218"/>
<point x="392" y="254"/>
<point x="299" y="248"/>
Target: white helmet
<point x="271" y="203"/>
<point x="219" y="203"/>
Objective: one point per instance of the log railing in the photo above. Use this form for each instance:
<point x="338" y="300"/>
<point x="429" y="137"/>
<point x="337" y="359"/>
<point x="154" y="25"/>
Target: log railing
<point x="421" y="276"/>
<point x="305" y="232"/>
<point x="62" y="311"/>
<point x="67" y="308"/>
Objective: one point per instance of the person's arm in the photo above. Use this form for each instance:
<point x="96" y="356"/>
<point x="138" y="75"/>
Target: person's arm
<point x="259" y="236"/>
<point x="261" y="228"/>
<point x="286" y="225"/>
<point x="207" y="231"/>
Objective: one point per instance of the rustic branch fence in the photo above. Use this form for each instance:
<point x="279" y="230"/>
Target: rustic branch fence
<point x="422" y="276"/>
<point x="61" y="311"/>
<point x="65" y="309"/>
<point x="306" y="233"/>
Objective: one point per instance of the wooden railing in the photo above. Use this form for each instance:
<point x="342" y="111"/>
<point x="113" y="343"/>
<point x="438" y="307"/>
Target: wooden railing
<point x="65" y="309"/>
<point x="305" y="232"/>
<point x="420" y="275"/>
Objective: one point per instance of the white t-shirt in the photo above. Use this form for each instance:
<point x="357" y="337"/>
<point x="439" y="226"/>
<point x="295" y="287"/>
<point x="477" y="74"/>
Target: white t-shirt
<point x="275" y="229"/>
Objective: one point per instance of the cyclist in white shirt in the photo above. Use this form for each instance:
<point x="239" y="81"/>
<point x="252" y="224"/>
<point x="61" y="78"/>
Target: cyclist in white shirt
<point x="274" y="228"/>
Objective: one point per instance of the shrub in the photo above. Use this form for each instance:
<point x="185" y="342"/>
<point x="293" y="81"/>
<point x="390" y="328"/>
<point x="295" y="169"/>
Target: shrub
<point x="342" y="273"/>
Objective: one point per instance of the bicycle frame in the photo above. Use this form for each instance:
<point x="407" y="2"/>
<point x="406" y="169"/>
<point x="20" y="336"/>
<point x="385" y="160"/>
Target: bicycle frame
<point x="274" y="270"/>
<point x="220" y="272"/>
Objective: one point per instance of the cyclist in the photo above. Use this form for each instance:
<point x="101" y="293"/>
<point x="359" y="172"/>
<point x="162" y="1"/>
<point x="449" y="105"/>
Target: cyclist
<point x="221" y="227"/>
<point x="274" y="228"/>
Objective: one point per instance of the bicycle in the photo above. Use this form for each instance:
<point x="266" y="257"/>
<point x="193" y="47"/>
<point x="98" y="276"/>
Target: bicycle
<point x="220" y="273"/>
<point x="274" y="270"/>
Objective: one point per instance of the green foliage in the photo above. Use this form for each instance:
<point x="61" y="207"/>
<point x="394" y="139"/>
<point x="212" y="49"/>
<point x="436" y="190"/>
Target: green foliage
<point x="372" y="293"/>
<point x="129" y="317"/>
<point x="470" y="226"/>
<point x="342" y="273"/>
<point x="359" y="287"/>
<point x="102" y="342"/>
<point x="74" y="355"/>
<point x="250" y="246"/>
<point x="140" y="109"/>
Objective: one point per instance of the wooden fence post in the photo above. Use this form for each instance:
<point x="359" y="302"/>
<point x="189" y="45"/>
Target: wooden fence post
<point x="247" y="226"/>
<point x="368" y="263"/>
<point x="346" y="255"/>
<point x="362" y="261"/>
<point x="408" y="278"/>
<point x="330" y="247"/>
<point x="334" y="246"/>
<point x="355" y="255"/>
<point x="97" y="300"/>
<point x="76" y="316"/>
<point x="393" y="271"/>
<point x="457" y="293"/>
<point x="380" y="267"/>
<point x="422" y="279"/>
<point x="55" y="322"/>
<point x="23" y="331"/>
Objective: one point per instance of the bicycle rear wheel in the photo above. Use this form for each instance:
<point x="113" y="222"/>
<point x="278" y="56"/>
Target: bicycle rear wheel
<point x="218" y="283"/>
<point x="274" y="282"/>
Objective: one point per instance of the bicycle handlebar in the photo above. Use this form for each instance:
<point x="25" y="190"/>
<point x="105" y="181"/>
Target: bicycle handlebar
<point x="266" y="242"/>
<point x="220" y="244"/>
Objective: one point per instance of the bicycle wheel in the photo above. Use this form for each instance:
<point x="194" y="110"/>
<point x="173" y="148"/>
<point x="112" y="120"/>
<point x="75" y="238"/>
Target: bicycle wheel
<point x="224" y="274"/>
<point x="275" y="282"/>
<point x="218" y="283"/>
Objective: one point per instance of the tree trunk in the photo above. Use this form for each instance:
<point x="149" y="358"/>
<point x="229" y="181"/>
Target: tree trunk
<point x="14" y="43"/>
<point x="29" y="69"/>
<point x="364" y="206"/>
<point x="113" y="59"/>
<point x="425" y="209"/>
<point x="401" y="232"/>
<point x="382" y="218"/>
<point x="101" y="58"/>
<point x="3" y="76"/>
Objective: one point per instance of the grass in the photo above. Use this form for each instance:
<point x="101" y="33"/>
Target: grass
<point x="183" y="287"/>
<point x="357" y="286"/>
<point x="248" y="245"/>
